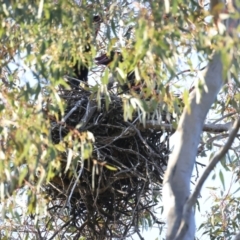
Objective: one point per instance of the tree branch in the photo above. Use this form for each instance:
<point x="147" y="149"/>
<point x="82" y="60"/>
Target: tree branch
<point x="237" y="237"/>
<point x="176" y="186"/>
<point x="208" y="127"/>
<point x="213" y="162"/>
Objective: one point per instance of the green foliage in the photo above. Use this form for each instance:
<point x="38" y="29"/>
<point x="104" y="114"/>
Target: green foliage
<point x="46" y="35"/>
<point x="223" y="219"/>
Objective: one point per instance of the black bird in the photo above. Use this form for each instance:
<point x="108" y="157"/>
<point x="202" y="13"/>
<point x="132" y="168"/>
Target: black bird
<point x="80" y="72"/>
<point x="104" y="59"/>
<point x="80" y="69"/>
<point x="117" y="56"/>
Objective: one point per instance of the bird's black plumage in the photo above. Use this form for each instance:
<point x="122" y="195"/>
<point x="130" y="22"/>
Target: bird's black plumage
<point x="80" y="72"/>
<point x="104" y="59"/>
<point x="80" y="69"/>
<point x="107" y="60"/>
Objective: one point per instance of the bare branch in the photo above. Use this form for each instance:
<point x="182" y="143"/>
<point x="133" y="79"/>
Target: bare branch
<point x="91" y="108"/>
<point x="78" y="104"/>
<point x="225" y="116"/>
<point x="208" y="127"/>
<point x="217" y="128"/>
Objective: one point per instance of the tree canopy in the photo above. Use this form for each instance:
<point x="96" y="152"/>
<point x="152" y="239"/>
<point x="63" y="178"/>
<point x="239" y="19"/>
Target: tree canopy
<point x="91" y="92"/>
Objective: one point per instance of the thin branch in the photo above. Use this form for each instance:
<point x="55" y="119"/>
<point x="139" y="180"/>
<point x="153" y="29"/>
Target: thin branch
<point x="62" y="227"/>
<point x="64" y="119"/>
<point x="193" y="198"/>
<point x="211" y="141"/>
<point x="75" y="184"/>
<point x="91" y="108"/>
<point x="76" y="106"/>
<point x="190" y="70"/>
<point x="152" y="152"/>
<point x="224" y="116"/>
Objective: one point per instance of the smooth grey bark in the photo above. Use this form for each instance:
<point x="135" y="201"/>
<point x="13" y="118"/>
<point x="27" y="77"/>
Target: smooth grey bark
<point x="237" y="237"/>
<point x="176" y="184"/>
<point x="212" y="163"/>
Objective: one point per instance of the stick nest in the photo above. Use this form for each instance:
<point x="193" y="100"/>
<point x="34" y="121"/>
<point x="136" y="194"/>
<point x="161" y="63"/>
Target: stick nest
<point x="108" y="195"/>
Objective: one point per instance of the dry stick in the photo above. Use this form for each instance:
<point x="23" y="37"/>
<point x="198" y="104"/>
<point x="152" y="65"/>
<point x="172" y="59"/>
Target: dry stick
<point x="77" y="104"/>
<point x="91" y="109"/>
<point x="143" y="140"/>
<point x="211" y="140"/>
<point x="119" y="136"/>
<point x="193" y="198"/>
<point x="75" y="184"/>
<point x="224" y="116"/>
<point x="64" y="119"/>
<point x="61" y="228"/>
